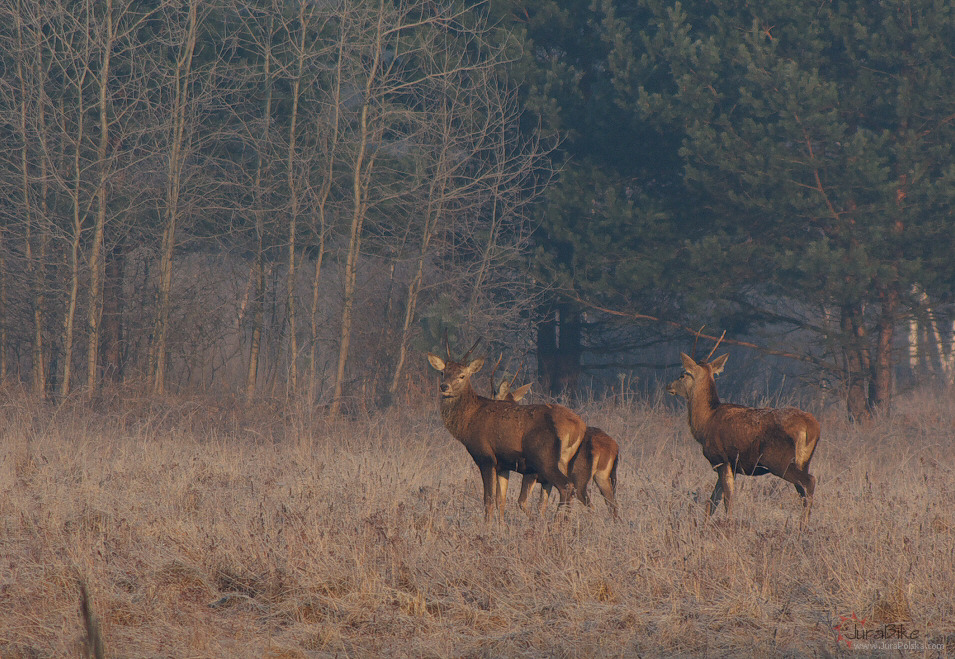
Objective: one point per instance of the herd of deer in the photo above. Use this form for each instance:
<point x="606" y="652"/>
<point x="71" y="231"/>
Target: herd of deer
<point x="550" y="444"/>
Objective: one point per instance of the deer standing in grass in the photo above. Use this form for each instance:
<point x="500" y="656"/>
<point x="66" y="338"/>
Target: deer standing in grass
<point x="502" y="436"/>
<point x="746" y="440"/>
<point x="596" y="459"/>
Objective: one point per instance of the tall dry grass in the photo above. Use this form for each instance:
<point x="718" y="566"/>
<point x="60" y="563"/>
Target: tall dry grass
<point x="202" y="531"/>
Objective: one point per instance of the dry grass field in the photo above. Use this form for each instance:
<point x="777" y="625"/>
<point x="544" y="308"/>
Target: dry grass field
<point x="205" y="531"/>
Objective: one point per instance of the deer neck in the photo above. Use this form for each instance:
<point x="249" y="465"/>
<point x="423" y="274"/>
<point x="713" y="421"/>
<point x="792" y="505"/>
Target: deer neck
<point x="456" y="411"/>
<point x="701" y="405"/>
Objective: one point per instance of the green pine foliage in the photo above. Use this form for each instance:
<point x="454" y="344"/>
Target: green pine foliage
<point x="758" y="162"/>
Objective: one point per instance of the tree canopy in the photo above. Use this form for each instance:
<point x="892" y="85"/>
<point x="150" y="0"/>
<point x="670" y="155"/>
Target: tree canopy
<point x="756" y="164"/>
<point x="371" y="176"/>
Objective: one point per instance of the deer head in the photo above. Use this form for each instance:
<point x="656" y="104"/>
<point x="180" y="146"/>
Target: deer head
<point x="696" y="375"/>
<point x="504" y="390"/>
<point x="457" y="376"/>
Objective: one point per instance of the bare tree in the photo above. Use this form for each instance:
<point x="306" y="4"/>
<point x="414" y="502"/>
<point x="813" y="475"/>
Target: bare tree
<point x="423" y="109"/>
<point x="368" y="132"/>
<point x="27" y="44"/>
<point x="262" y="31"/>
<point x="180" y="127"/>
<point x="4" y="337"/>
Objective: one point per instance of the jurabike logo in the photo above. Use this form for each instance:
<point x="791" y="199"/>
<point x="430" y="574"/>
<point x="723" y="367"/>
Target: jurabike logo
<point x="851" y="631"/>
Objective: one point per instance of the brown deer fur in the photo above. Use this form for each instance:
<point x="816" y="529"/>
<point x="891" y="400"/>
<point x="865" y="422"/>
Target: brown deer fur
<point x="501" y="435"/>
<point x="596" y="459"/>
<point x="746" y="440"/>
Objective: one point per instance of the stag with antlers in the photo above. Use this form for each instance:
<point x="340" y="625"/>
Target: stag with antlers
<point x="502" y="436"/>
<point x="746" y="440"/>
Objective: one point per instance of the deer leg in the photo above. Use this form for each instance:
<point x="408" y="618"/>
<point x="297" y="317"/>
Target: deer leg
<point x="580" y="487"/>
<point x="717" y="495"/>
<point x="527" y="484"/>
<point x="502" y="480"/>
<point x="489" y="478"/>
<point x="544" y="498"/>
<point x="810" y="488"/>
<point x="554" y="477"/>
<point x="605" y="485"/>
<point x="729" y="487"/>
<point x="805" y="484"/>
<point x="723" y="489"/>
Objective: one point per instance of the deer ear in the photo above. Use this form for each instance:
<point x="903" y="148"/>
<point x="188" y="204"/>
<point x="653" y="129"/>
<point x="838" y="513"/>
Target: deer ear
<point x="436" y="362"/>
<point x="521" y="392"/>
<point x="688" y="362"/>
<point x="716" y="366"/>
<point x="475" y="366"/>
<point x="503" y="390"/>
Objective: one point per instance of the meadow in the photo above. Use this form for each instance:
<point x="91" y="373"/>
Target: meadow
<point x="209" y="529"/>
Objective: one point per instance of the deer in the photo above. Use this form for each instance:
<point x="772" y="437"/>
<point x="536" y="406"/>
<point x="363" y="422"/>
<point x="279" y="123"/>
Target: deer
<point x="502" y="436"/>
<point x="596" y="459"/>
<point x="746" y="440"/>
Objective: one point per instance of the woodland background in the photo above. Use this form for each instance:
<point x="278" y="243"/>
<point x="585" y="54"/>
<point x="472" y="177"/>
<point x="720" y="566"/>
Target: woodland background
<point x="293" y="199"/>
<point x="229" y="230"/>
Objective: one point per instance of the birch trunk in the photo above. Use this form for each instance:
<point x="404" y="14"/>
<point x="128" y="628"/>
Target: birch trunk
<point x="322" y="204"/>
<point x="79" y="219"/>
<point x="3" y="308"/>
<point x="295" y="203"/>
<point x="351" y="262"/>
<point x="360" y="170"/>
<point x="174" y="174"/>
<point x="35" y="219"/>
<point x="96" y="251"/>
<point x="258" y="314"/>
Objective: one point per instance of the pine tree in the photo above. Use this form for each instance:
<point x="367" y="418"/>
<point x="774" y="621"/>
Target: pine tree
<point x="821" y="138"/>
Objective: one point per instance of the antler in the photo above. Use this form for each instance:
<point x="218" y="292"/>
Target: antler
<point x="493" y="371"/>
<point x="516" y="373"/>
<point x="707" y="358"/>
<point x="467" y="355"/>
<point x="698" y="332"/>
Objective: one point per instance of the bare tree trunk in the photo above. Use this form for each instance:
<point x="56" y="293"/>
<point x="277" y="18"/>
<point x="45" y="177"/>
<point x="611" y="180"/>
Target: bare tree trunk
<point x="258" y="315"/>
<point x="857" y="364"/>
<point x="485" y="258"/>
<point x="79" y="219"/>
<point x="316" y="280"/>
<point x="36" y="221"/>
<point x="112" y="323"/>
<point x="331" y="152"/>
<point x="351" y="262"/>
<point x="96" y="251"/>
<point x="4" y="347"/>
<point x="178" y="120"/>
<point x="360" y="170"/>
<point x="294" y="199"/>
<point x="882" y="376"/>
<point x="431" y="217"/>
<point x="414" y="287"/>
